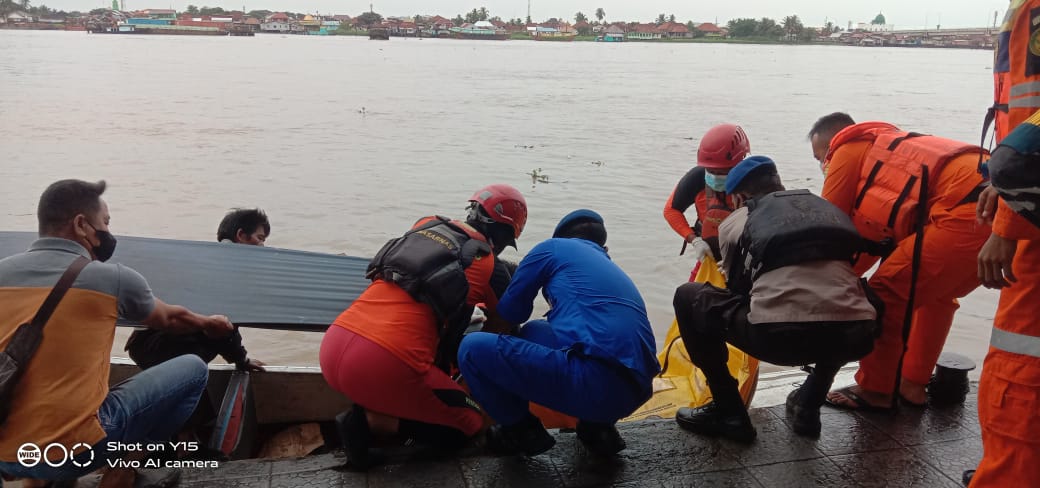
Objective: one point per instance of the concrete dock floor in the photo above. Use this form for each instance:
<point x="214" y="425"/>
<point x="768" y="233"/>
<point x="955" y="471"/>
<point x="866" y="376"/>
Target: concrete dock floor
<point x="926" y="447"/>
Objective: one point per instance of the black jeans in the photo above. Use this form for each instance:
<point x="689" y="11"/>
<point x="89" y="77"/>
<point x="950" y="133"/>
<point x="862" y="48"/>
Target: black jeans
<point x="709" y="317"/>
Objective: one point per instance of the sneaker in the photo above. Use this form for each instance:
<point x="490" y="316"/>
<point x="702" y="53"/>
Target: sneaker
<point x="353" y="431"/>
<point x="711" y="420"/>
<point x="599" y="438"/>
<point x="528" y="438"/>
<point x="805" y="421"/>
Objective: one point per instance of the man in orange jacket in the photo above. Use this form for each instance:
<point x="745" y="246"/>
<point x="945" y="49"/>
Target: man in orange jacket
<point x="1009" y="390"/>
<point x="895" y="184"/>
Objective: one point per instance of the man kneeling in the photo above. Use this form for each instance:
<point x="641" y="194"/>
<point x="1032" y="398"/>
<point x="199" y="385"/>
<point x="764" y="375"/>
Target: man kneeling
<point x="792" y="299"/>
<point x="592" y="359"/>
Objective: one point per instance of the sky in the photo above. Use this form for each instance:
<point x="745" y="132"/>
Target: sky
<point x="901" y="13"/>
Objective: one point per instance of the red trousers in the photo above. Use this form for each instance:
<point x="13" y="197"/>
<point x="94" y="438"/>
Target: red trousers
<point x="374" y="378"/>
<point x="1009" y="391"/>
<point x="948" y="271"/>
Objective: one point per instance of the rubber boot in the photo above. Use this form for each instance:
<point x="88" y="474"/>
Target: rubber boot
<point x="352" y="426"/>
<point x="528" y="437"/>
<point x="600" y="438"/>
<point x="725" y="416"/>
<point x="804" y="418"/>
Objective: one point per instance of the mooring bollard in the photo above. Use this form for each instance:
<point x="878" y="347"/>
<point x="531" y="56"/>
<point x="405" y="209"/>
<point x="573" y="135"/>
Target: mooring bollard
<point x="949" y="385"/>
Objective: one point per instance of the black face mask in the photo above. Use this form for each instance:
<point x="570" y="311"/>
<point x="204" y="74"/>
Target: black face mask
<point x="500" y="236"/>
<point x="107" y="245"/>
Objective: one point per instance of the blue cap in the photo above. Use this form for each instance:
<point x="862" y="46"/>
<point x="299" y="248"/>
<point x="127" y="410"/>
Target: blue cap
<point x="575" y="216"/>
<point x="737" y="174"/>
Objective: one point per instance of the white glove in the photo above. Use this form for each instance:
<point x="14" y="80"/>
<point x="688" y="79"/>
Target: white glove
<point x="699" y="248"/>
<point x="478" y="316"/>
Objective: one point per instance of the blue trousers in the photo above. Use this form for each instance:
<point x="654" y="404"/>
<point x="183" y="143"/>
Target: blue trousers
<point x="504" y="373"/>
<point x="150" y="406"/>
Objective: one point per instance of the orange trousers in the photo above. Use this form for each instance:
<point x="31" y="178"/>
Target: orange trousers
<point x="948" y="271"/>
<point x="1009" y="390"/>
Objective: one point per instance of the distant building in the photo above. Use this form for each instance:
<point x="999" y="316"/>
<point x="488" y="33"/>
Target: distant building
<point x="674" y="30"/>
<point x="879" y="24"/>
<point x="254" y="24"/>
<point x="710" y="30"/>
<point x="644" y="32"/>
<point x="277" y="17"/>
<point x="17" y="18"/>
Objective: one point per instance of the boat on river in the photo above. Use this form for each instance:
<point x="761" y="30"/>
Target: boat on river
<point x="179" y="30"/>
<point x="378" y="34"/>
<point x="482" y="30"/>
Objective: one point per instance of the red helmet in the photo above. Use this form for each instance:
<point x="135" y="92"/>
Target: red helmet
<point x="504" y="204"/>
<point x="722" y="147"/>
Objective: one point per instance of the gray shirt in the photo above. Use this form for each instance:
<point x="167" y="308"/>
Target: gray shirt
<point x="47" y="259"/>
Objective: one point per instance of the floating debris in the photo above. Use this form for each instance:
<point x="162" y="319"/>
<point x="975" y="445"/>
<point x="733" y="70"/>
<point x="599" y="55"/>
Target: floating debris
<point x="522" y="146"/>
<point x="538" y="177"/>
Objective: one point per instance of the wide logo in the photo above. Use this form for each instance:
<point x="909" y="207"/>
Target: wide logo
<point x="30" y="455"/>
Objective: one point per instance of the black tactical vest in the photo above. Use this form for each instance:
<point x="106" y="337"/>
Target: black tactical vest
<point x="791" y="227"/>
<point x="429" y="262"/>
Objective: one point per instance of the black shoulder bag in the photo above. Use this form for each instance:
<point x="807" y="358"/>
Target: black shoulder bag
<point x="27" y="338"/>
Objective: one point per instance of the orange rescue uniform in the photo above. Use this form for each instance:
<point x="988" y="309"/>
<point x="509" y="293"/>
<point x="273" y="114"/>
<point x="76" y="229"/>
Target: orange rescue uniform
<point x="387" y="315"/>
<point x="952" y="240"/>
<point x="1009" y="390"/>
<point x="712" y="208"/>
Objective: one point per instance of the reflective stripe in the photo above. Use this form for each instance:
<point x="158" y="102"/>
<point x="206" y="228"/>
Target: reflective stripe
<point x="1025" y="102"/>
<point x="1025" y="88"/>
<point x="1015" y="342"/>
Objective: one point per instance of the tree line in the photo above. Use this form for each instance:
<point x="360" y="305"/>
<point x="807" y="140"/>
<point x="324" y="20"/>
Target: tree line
<point x="790" y="28"/>
<point x="8" y="7"/>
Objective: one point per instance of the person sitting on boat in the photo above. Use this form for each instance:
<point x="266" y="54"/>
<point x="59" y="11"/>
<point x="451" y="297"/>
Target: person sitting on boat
<point x="63" y="396"/>
<point x="244" y="226"/>
<point x="791" y="299"/>
<point x="391" y="352"/>
<point x="874" y="173"/>
<point x="593" y="358"/>
<point x="704" y="187"/>
<point x="150" y="347"/>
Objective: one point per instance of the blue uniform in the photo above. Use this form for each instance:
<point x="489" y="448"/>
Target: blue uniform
<point x="594" y="357"/>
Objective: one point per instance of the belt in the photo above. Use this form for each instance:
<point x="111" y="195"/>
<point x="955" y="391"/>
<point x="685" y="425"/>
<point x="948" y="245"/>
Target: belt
<point x="1014" y="342"/>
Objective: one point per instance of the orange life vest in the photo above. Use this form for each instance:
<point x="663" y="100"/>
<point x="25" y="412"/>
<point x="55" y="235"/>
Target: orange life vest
<point x="1016" y="67"/>
<point x="890" y="192"/>
<point x="712" y="208"/>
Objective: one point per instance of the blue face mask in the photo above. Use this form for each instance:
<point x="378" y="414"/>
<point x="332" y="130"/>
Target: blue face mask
<point x="715" y="182"/>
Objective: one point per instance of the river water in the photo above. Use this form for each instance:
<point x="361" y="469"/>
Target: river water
<point x="345" y="142"/>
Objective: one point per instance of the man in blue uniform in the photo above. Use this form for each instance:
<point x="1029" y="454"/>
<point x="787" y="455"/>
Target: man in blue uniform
<point x="592" y="359"/>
